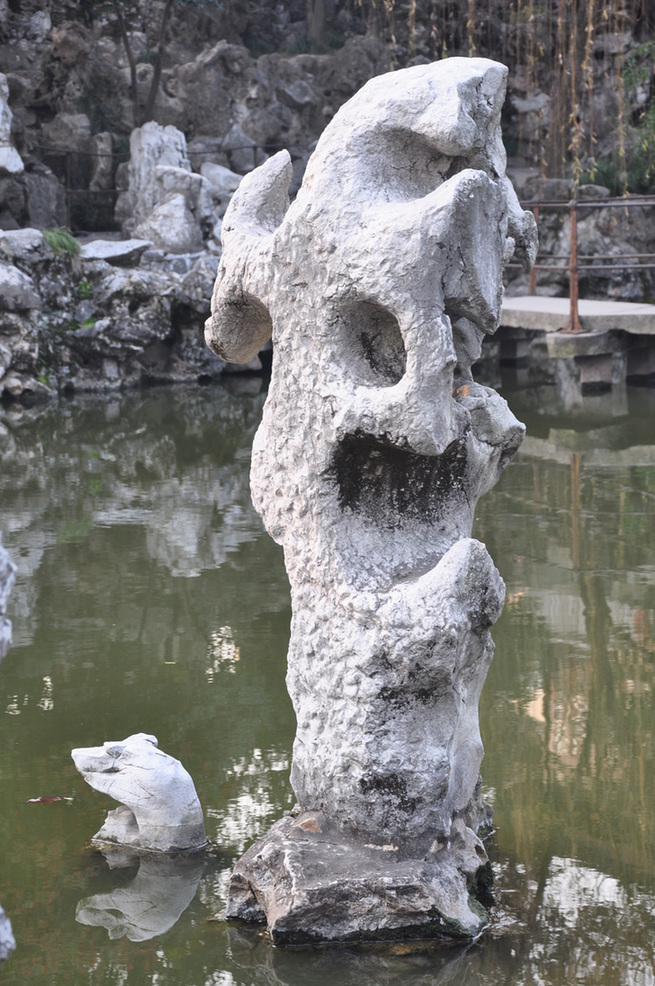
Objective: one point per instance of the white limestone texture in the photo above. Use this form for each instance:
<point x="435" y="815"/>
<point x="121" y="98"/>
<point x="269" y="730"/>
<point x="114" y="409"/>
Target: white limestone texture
<point x="10" y="159"/>
<point x="378" y="285"/>
<point x="165" y="201"/>
<point x="159" y="809"/>
<point x="17" y="290"/>
<point x="127" y="252"/>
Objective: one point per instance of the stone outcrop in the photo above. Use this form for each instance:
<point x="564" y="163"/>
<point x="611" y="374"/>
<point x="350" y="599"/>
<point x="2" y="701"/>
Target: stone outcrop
<point x="165" y="201"/>
<point x="378" y="285"/>
<point x="159" y="808"/>
<point x="31" y="195"/>
<point x="10" y="159"/>
<point x="68" y="110"/>
<point x="95" y="322"/>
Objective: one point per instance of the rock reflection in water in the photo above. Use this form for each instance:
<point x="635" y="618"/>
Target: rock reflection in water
<point x="152" y="902"/>
<point x="567" y="712"/>
<point x="389" y="964"/>
<point x="166" y="467"/>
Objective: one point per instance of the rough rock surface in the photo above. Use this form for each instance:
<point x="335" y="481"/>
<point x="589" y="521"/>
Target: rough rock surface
<point x="313" y="883"/>
<point x="378" y="284"/>
<point x="127" y="252"/>
<point x="92" y="323"/>
<point x="10" y="159"/>
<point x="165" y="202"/>
<point x="159" y="808"/>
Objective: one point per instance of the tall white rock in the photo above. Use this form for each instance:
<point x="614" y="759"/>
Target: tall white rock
<point x="378" y="285"/>
<point x="10" y="159"/>
<point x="165" y="202"/>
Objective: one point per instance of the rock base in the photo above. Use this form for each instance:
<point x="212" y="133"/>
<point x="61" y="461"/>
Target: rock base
<point x="312" y="884"/>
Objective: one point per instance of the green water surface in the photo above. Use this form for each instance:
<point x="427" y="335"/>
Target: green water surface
<point x="149" y="599"/>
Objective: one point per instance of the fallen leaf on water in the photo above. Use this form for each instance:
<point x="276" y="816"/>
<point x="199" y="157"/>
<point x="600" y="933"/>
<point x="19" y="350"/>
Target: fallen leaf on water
<point x="46" y="800"/>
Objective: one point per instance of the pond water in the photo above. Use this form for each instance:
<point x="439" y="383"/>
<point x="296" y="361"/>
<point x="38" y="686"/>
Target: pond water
<point x="149" y="599"/>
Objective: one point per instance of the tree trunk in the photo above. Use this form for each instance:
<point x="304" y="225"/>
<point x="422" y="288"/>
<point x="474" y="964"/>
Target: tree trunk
<point x="132" y="63"/>
<point x="159" y="62"/>
<point x="316" y="20"/>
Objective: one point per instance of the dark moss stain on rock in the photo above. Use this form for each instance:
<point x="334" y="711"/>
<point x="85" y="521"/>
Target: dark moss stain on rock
<point x="389" y="784"/>
<point x="386" y="484"/>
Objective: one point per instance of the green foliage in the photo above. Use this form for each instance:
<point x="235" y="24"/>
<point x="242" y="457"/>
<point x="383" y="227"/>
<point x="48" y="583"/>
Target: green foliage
<point x="61" y="240"/>
<point x="639" y="176"/>
<point x="641" y="156"/>
<point x="639" y="66"/>
<point x="638" y="173"/>
<point x="85" y="290"/>
<point x="641" y="166"/>
<point x="302" y="44"/>
<point x="333" y="39"/>
<point x="604" y="172"/>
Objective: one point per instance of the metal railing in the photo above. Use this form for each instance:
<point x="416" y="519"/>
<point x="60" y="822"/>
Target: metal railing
<point x="71" y="158"/>
<point x="574" y="262"/>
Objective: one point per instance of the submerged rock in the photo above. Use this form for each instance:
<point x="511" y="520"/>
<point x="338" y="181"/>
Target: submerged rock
<point x="159" y="808"/>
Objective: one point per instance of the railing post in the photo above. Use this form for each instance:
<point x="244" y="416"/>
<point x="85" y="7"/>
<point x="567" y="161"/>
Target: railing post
<point x="533" y="273"/>
<point x="574" y="320"/>
<point x="68" y="189"/>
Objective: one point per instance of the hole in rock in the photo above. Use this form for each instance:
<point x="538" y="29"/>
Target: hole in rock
<point x="379" y="351"/>
<point x="386" y="484"/>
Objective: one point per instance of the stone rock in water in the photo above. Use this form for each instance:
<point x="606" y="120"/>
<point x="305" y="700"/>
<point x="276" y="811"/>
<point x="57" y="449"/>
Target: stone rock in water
<point x="378" y="285"/>
<point x="159" y="808"/>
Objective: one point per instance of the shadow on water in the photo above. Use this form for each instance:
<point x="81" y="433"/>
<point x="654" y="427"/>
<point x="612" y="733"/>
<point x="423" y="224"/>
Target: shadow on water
<point x="149" y="599"/>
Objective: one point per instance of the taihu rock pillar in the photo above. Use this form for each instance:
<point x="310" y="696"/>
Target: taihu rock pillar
<point x="378" y="285"/>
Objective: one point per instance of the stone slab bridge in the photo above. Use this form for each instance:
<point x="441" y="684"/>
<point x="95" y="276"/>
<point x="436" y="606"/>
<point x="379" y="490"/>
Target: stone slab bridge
<point x="617" y="343"/>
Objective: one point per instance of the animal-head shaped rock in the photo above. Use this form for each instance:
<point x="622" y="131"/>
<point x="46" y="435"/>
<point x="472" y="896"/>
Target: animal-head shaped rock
<point x="378" y="284"/>
<point x="159" y="811"/>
